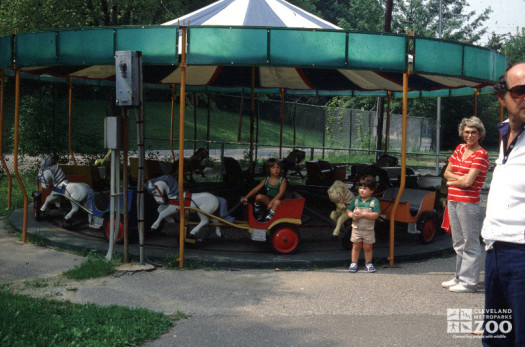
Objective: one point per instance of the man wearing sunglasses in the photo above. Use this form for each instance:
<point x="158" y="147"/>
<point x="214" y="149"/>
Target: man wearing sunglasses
<point x="504" y="226"/>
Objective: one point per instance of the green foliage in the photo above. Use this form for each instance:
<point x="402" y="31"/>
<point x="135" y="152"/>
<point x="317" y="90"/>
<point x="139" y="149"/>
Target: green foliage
<point x="17" y="198"/>
<point x="95" y="266"/>
<point x="27" y="321"/>
<point x="515" y="47"/>
<point x="423" y="17"/>
<point x="35" y="15"/>
<point x="334" y="120"/>
<point x="38" y="125"/>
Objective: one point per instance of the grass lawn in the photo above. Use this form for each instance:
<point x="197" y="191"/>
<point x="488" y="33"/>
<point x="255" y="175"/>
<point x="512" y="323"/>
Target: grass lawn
<point x="27" y="321"/>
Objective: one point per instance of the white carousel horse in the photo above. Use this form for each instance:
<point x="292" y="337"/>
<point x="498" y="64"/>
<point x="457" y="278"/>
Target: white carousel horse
<point x="341" y="196"/>
<point x="78" y="193"/>
<point x="165" y="191"/>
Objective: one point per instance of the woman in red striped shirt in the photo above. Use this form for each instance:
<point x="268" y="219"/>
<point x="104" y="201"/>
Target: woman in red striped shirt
<point x="465" y="173"/>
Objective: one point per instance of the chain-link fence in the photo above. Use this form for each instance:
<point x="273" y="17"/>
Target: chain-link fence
<point x="218" y="122"/>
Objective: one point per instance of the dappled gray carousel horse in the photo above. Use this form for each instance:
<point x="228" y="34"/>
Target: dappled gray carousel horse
<point x="165" y="191"/>
<point x="79" y="194"/>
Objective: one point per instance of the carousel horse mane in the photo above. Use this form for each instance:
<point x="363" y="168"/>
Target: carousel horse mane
<point x="165" y="188"/>
<point x="78" y="193"/>
<point x="166" y="183"/>
<point x="51" y="173"/>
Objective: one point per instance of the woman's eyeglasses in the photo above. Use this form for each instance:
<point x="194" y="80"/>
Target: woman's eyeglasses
<point x="517" y="92"/>
<point x="473" y="132"/>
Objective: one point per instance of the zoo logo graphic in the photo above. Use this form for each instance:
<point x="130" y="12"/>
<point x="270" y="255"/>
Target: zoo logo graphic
<point x="469" y="321"/>
<point x="460" y="321"/>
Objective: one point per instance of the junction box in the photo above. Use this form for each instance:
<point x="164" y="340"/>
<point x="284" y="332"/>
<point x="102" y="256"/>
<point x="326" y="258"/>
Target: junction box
<point x="127" y="78"/>
<point x="112" y="132"/>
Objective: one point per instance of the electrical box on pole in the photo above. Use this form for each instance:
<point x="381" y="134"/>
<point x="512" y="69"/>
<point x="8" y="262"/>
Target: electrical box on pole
<point x="127" y="78"/>
<point x="112" y="133"/>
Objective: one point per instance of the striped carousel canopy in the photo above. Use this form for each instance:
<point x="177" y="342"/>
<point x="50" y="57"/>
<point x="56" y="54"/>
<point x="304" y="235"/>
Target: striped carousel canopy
<point x="265" y="13"/>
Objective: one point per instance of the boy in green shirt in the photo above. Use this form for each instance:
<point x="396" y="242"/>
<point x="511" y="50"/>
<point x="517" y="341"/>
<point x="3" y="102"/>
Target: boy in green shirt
<point x="363" y="211"/>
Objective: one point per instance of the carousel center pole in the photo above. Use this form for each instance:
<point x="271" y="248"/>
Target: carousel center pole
<point x="182" y="223"/>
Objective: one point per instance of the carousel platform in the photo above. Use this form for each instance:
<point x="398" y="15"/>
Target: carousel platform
<point x="234" y="250"/>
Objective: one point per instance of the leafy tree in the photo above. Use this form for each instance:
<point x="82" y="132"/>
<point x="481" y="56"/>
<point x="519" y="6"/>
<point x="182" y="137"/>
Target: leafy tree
<point x="515" y="46"/>
<point x="365" y="15"/>
<point x="40" y="134"/>
<point x="423" y="17"/>
<point x="33" y="15"/>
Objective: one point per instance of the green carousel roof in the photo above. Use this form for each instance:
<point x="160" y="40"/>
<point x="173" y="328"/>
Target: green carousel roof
<point x="302" y="61"/>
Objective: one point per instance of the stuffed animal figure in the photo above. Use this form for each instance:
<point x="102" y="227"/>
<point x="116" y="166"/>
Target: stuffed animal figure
<point x="341" y="196"/>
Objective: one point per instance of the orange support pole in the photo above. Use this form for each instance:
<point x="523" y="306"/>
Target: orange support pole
<point x="70" y="128"/>
<point x="172" y="119"/>
<point x="182" y="226"/>
<point x="15" y="153"/>
<point x="2" y="159"/>
<point x="403" y="168"/>
<point x="476" y="101"/>
<point x="252" y="121"/>
<point x="282" y="121"/>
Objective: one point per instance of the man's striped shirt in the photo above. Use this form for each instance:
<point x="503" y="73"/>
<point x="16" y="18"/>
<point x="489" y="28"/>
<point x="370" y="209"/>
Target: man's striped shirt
<point x="478" y="160"/>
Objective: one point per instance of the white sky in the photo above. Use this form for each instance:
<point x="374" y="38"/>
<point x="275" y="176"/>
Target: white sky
<point x="505" y="17"/>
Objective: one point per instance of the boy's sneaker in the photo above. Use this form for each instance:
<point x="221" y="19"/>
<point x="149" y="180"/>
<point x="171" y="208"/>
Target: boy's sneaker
<point x="370" y="267"/>
<point x="353" y="267"/>
<point x="449" y="283"/>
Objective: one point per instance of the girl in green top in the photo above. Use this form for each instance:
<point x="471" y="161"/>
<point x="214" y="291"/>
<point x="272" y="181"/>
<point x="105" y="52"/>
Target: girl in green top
<point x="275" y="188"/>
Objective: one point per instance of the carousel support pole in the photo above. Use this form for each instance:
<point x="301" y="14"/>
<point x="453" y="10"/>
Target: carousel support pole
<point x="70" y="113"/>
<point x="2" y="159"/>
<point x="141" y="155"/>
<point x="208" y="127"/>
<point x="114" y="202"/>
<point x="15" y="153"/>
<point x="403" y="169"/>
<point x="182" y="223"/>
<point x="252" y="122"/>
<point x="125" y="146"/>
<point x="282" y="121"/>
<point x="475" y="101"/>
<point x="195" y="102"/>
<point x="387" y="130"/>
<point x="139" y="115"/>
<point x="172" y="119"/>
